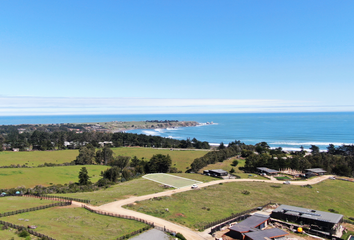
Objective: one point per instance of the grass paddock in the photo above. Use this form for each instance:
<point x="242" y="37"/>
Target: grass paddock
<point x="76" y="223"/>
<point x="8" y="204"/>
<point x="30" y="177"/>
<point x="196" y="208"/>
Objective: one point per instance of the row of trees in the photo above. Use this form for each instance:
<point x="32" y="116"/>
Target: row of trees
<point x="337" y="160"/>
<point x="43" y="140"/>
<point x="233" y="149"/>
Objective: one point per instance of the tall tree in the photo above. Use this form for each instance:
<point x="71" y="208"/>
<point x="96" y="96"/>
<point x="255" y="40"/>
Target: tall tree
<point x="85" y="156"/>
<point x="84" y="178"/>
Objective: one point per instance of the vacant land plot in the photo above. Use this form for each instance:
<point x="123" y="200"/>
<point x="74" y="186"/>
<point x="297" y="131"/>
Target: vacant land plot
<point x="170" y="180"/>
<point x="8" y="204"/>
<point x="196" y="208"/>
<point x="76" y="223"/>
<point x="30" y="177"/>
<point x="180" y="159"/>
<point x="35" y="158"/>
<point x="136" y="187"/>
<point x="9" y="234"/>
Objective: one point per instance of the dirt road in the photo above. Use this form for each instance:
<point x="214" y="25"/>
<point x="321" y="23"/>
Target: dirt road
<point x="116" y="207"/>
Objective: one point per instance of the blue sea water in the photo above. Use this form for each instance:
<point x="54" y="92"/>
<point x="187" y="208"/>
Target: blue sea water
<point x="286" y="130"/>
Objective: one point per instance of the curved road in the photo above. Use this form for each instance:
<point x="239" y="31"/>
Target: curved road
<point x="116" y="207"/>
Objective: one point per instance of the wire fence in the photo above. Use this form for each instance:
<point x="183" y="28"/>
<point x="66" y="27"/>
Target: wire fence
<point x="30" y="231"/>
<point x="5" y="214"/>
<point x="151" y="224"/>
<point x="58" y="198"/>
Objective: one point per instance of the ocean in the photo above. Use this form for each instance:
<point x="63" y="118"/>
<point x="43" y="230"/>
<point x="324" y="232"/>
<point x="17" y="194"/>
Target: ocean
<point x="286" y="130"/>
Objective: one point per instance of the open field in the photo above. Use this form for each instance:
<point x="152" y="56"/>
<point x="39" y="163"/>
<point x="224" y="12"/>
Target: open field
<point x="30" y="177"/>
<point x="195" y="208"/>
<point x="136" y="187"/>
<point x="76" y="223"/>
<point x="10" y="234"/>
<point x="180" y="159"/>
<point x="35" y="158"/>
<point x="8" y="204"/>
<point x="170" y="180"/>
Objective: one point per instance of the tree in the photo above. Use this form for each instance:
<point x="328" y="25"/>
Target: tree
<point x="221" y="146"/>
<point x="315" y="149"/>
<point x="111" y="174"/>
<point x="84" y="178"/>
<point x="234" y="163"/>
<point x="159" y="163"/>
<point x="85" y="156"/>
<point x="104" y="156"/>
<point x="120" y="161"/>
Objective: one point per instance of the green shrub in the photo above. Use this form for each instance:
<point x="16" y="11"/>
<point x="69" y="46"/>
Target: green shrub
<point x="23" y="234"/>
<point x="245" y="192"/>
<point x="180" y="236"/>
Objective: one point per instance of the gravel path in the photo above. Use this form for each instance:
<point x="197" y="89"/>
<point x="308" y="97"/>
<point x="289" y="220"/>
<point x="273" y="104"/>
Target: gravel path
<point x="116" y="207"/>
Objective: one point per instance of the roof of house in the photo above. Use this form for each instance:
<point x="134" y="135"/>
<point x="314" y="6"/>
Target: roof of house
<point x="309" y="213"/>
<point x="218" y="171"/>
<point x="250" y="222"/>
<point x="268" y="170"/>
<point x="315" y="170"/>
<point x="268" y="233"/>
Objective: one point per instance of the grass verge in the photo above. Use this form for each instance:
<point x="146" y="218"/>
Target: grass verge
<point x="8" y="204"/>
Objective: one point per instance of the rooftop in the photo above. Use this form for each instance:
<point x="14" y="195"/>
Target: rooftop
<point x="309" y="213"/>
<point x="250" y="222"/>
<point x="217" y="170"/>
<point x="315" y="170"/>
<point x="268" y="170"/>
<point x="268" y="233"/>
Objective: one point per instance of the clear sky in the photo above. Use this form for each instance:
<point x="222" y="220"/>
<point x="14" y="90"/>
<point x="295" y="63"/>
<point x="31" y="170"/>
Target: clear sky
<point x="176" y="56"/>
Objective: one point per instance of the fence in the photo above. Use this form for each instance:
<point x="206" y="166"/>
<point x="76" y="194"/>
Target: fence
<point x="34" y="208"/>
<point x="61" y="198"/>
<point x="30" y="231"/>
<point x="151" y="224"/>
<point x="232" y="218"/>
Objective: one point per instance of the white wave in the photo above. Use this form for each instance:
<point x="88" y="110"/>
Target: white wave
<point x="160" y="130"/>
<point x="151" y="133"/>
<point x="296" y="149"/>
<point x="309" y="143"/>
<point x="172" y="129"/>
<point x="174" y="137"/>
<point x="206" y="124"/>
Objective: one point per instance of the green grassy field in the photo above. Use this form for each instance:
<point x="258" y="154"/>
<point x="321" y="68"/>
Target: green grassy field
<point x="180" y="159"/>
<point x="136" y="187"/>
<point x="76" y="223"/>
<point x="30" y="177"/>
<point x="10" y="234"/>
<point x="191" y="208"/>
<point x="8" y="204"/>
<point x="35" y="158"/>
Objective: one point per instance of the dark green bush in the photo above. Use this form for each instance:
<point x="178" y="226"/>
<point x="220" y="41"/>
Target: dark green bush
<point x="180" y="236"/>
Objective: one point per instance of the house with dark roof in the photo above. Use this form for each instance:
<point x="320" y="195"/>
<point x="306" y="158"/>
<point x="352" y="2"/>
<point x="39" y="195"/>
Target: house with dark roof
<point x="316" y="220"/>
<point x="267" y="171"/>
<point x="256" y="221"/>
<point x="273" y="233"/>
<point x="215" y="172"/>
<point x="314" y="172"/>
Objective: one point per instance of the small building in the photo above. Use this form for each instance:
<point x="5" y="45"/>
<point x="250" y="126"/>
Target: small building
<point x="215" y="173"/>
<point x="273" y="233"/>
<point x="314" y="172"/>
<point x="267" y="171"/>
<point x="317" y="220"/>
<point x="256" y="221"/>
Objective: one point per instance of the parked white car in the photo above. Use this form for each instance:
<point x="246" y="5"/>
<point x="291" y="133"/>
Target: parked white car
<point x="194" y="186"/>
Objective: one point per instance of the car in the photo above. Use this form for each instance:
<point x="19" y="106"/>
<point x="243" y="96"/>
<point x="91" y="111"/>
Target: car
<point x="286" y="182"/>
<point x="194" y="186"/>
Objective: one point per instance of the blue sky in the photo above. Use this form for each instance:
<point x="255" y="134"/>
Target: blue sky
<point x="116" y="57"/>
